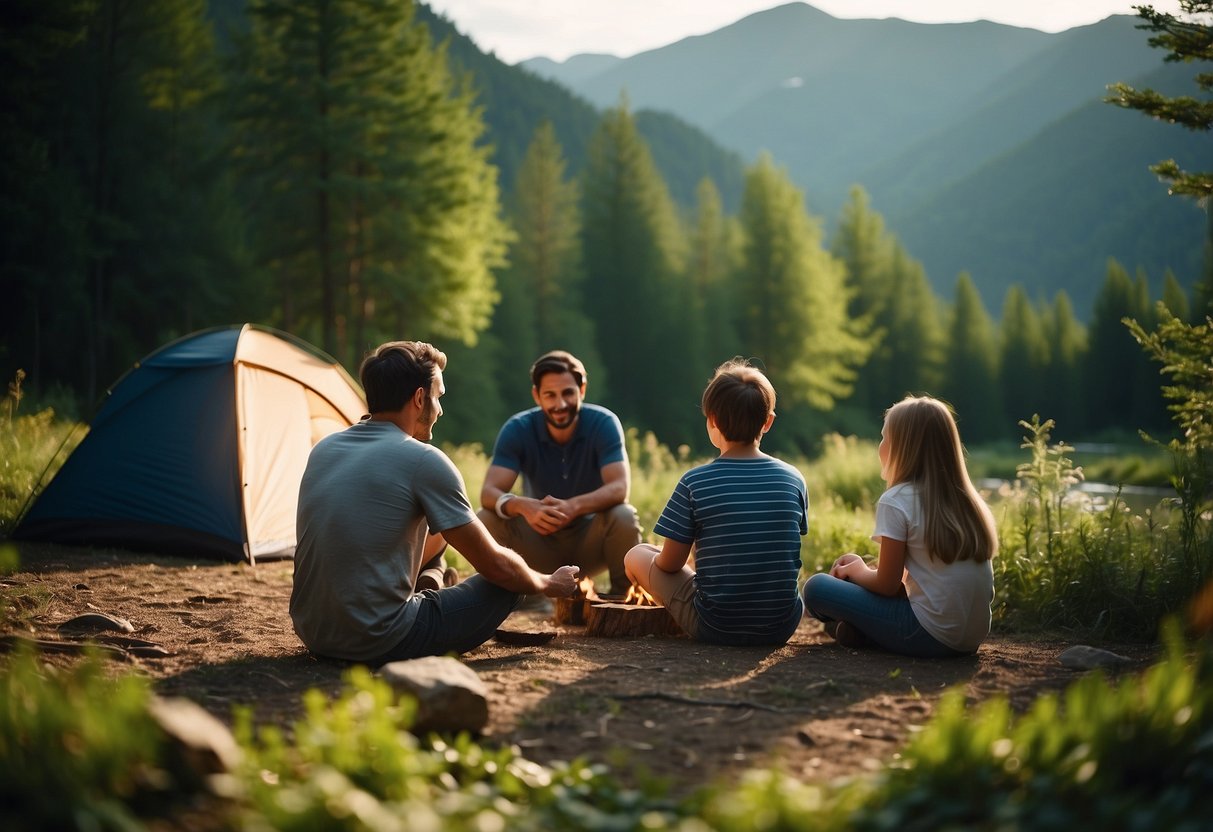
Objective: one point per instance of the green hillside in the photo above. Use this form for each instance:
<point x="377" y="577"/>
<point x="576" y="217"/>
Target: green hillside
<point x="987" y="148"/>
<point x="516" y="101"/>
<point x="1073" y="70"/>
<point x="1048" y="214"/>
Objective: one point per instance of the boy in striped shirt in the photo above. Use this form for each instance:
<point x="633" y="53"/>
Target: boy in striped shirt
<point x="744" y="514"/>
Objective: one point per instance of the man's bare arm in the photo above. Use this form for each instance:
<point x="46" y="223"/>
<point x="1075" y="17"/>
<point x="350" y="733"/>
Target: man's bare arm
<point x="497" y="481"/>
<point x="505" y="567"/>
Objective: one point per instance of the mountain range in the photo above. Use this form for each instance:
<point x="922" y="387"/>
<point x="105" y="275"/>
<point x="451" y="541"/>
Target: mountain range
<point x="987" y="148"/>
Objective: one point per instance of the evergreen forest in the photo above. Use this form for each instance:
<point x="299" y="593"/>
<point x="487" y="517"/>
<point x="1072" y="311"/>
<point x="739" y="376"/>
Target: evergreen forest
<point x="354" y="171"/>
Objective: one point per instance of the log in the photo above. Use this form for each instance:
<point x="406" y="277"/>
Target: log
<point x="573" y="610"/>
<point x="629" y="621"/>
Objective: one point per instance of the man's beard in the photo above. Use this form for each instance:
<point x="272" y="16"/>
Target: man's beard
<point x="424" y="430"/>
<point x="569" y="415"/>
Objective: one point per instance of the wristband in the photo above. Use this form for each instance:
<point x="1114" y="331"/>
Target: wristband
<point x="500" y="507"/>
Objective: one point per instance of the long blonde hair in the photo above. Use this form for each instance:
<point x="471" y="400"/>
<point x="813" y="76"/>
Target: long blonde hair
<point x="924" y="448"/>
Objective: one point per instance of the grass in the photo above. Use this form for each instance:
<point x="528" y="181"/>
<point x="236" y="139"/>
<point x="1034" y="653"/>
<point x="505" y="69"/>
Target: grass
<point x="80" y="751"/>
<point x="28" y="446"/>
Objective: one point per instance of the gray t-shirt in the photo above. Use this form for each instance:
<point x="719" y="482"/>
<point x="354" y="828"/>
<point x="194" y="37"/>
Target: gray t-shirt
<point x="367" y="496"/>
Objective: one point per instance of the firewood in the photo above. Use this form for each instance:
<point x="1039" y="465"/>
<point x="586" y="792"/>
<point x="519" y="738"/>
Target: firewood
<point x="571" y="610"/>
<point x="629" y="620"/>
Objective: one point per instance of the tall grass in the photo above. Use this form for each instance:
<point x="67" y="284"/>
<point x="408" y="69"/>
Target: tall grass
<point x="28" y="446"/>
<point x="1072" y="564"/>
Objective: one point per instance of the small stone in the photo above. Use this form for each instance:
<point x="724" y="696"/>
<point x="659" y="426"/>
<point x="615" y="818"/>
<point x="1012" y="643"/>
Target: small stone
<point x="450" y="696"/>
<point x="1082" y="657"/>
<point x="95" y="621"/>
<point x="201" y="743"/>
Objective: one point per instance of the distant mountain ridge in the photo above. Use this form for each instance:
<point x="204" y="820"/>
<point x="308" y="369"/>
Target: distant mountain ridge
<point x="515" y="101"/>
<point x="945" y="125"/>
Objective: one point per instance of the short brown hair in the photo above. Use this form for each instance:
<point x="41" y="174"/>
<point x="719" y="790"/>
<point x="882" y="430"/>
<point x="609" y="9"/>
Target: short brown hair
<point x="557" y="361"/>
<point x="395" y="370"/>
<point x="739" y="398"/>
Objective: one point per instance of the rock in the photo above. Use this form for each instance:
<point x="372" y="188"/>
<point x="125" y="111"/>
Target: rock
<point x="450" y="696"/>
<point x="92" y="622"/>
<point x="1082" y="657"/>
<point x="201" y="745"/>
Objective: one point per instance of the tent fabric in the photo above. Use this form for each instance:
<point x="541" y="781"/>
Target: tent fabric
<point x="199" y="449"/>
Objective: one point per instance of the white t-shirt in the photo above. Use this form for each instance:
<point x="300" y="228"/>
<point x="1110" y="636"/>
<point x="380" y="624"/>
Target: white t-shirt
<point x="950" y="600"/>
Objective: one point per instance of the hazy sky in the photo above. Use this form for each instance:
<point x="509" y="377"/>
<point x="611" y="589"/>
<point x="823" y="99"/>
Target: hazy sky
<point x="521" y="29"/>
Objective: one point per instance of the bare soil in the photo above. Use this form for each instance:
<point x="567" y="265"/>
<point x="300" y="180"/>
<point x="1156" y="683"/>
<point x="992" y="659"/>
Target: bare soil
<point x="667" y="706"/>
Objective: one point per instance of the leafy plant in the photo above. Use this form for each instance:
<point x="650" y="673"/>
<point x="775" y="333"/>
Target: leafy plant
<point x="1134" y="755"/>
<point x="353" y="765"/>
<point x="77" y="748"/>
<point x="1186" y="353"/>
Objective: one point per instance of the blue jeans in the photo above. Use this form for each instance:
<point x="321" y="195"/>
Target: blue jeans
<point x="889" y="622"/>
<point x="453" y="620"/>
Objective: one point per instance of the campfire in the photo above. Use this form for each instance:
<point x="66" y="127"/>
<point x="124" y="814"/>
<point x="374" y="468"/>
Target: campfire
<point x="635" y="614"/>
<point x="637" y="595"/>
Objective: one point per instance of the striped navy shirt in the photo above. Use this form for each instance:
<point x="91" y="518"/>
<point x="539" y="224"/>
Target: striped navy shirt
<point x="745" y="518"/>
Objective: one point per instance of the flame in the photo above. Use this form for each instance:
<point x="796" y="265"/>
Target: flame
<point x="585" y="588"/>
<point x="638" y="596"/>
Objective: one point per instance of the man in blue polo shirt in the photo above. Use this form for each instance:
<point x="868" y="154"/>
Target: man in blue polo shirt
<point x="575" y="478"/>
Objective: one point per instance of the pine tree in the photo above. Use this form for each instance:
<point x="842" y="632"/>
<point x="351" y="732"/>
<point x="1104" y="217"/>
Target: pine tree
<point x="971" y="366"/>
<point x="1186" y="37"/>
<point x="867" y="251"/>
<point x="44" y="247"/>
<point x="541" y="293"/>
<point x="793" y="299"/>
<point x="139" y="215"/>
<point x="1112" y="356"/>
<point x="1062" y="382"/>
<point x="1023" y="359"/>
<point x="712" y="263"/>
<point x="915" y="339"/>
<point x="633" y="253"/>
<point x="379" y="206"/>
<point x="1174" y="297"/>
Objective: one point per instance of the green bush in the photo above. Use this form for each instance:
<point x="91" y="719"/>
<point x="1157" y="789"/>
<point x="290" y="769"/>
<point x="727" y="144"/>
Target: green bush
<point x="1067" y="564"/>
<point x="77" y="748"/>
<point x="1134" y="755"/>
<point x="353" y="765"/>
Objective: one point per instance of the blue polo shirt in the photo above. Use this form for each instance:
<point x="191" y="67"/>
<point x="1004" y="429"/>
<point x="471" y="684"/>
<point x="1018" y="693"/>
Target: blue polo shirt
<point x="563" y="471"/>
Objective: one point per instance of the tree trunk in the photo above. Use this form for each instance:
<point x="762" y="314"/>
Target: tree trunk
<point x="629" y="621"/>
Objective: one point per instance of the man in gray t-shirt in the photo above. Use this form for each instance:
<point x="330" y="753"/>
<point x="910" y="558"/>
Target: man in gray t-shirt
<point x="377" y="504"/>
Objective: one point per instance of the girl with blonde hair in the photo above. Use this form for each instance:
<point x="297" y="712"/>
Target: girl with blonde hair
<point x="930" y="591"/>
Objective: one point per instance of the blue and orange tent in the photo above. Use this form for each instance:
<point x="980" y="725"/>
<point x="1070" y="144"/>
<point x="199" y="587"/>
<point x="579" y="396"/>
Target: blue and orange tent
<point x="198" y="450"/>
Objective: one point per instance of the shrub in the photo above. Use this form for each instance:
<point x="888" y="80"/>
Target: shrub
<point x="353" y="765"/>
<point x="1067" y="563"/>
<point x="1134" y="755"/>
<point x="78" y="749"/>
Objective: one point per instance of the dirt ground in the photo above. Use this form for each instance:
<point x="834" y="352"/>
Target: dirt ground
<point x="669" y="706"/>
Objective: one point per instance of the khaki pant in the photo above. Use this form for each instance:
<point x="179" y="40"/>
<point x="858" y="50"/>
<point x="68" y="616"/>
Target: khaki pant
<point x="595" y="542"/>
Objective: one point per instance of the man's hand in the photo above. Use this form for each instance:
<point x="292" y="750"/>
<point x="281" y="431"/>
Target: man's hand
<point x="547" y="515"/>
<point x="562" y="583"/>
